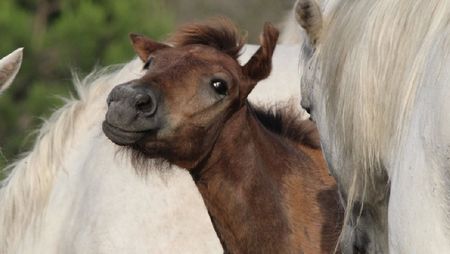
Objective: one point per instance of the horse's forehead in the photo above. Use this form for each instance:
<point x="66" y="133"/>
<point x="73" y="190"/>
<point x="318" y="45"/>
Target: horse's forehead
<point x="192" y="60"/>
<point x="197" y="57"/>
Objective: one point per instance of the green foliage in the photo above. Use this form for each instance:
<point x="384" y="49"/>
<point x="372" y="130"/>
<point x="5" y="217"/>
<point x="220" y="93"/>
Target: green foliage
<point x="59" y="36"/>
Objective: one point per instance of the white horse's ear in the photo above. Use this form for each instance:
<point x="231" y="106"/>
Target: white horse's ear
<point x="309" y="16"/>
<point x="9" y="67"/>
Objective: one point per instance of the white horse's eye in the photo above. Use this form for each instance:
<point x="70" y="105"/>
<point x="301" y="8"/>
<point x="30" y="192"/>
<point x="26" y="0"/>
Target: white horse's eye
<point x="219" y="86"/>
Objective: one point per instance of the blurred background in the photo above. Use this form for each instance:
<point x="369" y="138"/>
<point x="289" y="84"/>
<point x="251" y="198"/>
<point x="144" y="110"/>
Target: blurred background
<point x="64" y="35"/>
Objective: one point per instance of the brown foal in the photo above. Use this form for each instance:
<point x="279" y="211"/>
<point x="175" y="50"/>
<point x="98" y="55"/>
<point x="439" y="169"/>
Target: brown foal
<point x="260" y="173"/>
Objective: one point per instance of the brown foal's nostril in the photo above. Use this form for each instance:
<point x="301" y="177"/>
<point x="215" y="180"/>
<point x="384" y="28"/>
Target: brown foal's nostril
<point x="144" y="103"/>
<point x="131" y="103"/>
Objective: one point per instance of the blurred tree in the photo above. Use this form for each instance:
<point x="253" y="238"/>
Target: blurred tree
<point x="59" y="35"/>
<point x="249" y="15"/>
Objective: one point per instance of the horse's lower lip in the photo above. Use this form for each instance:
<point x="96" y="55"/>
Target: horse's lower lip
<point x="120" y="136"/>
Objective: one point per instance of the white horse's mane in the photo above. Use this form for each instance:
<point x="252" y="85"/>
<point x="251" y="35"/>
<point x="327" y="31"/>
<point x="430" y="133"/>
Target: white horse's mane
<point x="369" y="79"/>
<point x="24" y="193"/>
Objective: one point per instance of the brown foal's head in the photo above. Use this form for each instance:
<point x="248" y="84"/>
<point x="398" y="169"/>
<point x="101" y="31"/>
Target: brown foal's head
<point x="190" y="89"/>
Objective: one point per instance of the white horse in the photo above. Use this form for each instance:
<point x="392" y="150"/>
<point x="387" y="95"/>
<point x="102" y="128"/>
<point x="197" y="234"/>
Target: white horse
<point x="9" y="67"/>
<point x="76" y="192"/>
<point x="377" y="82"/>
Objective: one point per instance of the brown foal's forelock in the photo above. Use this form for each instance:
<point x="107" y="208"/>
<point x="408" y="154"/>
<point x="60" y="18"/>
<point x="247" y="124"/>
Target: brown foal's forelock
<point x="261" y="175"/>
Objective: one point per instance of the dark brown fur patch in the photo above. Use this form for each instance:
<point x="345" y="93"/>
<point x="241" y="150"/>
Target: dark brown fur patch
<point x="220" y="33"/>
<point x="286" y="122"/>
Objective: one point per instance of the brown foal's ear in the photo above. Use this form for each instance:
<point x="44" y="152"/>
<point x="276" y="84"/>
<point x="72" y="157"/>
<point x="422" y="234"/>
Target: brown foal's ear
<point x="144" y="46"/>
<point x="260" y="64"/>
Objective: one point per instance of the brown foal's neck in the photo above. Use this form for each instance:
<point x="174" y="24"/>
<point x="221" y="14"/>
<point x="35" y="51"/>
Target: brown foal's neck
<point x="240" y="184"/>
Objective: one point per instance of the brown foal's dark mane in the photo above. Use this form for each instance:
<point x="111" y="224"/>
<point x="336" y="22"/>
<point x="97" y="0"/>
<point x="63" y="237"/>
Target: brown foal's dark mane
<point x="219" y="33"/>
<point x="286" y="122"/>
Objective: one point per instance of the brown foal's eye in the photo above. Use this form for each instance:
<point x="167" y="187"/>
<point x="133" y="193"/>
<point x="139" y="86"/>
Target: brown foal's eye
<point x="220" y="86"/>
<point x="148" y="63"/>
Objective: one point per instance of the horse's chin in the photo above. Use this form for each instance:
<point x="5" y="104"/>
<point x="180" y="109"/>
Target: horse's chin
<point x="120" y="136"/>
<point x="152" y="149"/>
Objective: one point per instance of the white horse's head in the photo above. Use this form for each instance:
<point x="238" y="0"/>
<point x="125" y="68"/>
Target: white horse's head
<point x="373" y="73"/>
<point x="9" y="67"/>
<point x="309" y="17"/>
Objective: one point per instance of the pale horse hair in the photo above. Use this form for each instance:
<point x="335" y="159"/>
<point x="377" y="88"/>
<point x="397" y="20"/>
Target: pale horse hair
<point x="376" y="75"/>
<point x="77" y="192"/>
<point x="9" y="67"/>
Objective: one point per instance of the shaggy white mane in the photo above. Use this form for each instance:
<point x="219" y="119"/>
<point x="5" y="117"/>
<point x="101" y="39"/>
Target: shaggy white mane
<point x="24" y="193"/>
<point x="370" y="76"/>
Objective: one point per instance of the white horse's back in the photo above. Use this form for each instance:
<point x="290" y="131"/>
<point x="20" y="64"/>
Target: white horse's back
<point x="100" y="205"/>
